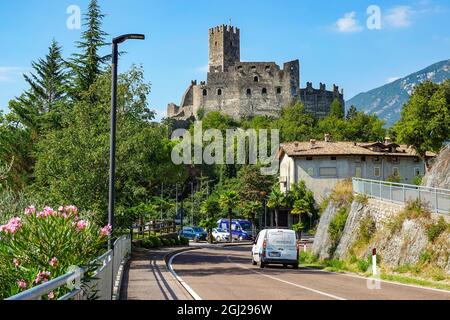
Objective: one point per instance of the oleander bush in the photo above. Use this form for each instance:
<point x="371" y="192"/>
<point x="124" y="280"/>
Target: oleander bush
<point x="38" y="246"/>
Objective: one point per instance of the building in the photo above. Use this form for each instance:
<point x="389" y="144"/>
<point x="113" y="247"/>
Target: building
<point x="321" y="164"/>
<point x="245" y="89"/>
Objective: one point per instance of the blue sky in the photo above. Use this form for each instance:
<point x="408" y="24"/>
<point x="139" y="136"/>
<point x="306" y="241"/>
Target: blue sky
<point x="330" y="38"/>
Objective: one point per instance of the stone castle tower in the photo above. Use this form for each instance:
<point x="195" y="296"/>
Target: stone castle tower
<point x="245" y="89"/>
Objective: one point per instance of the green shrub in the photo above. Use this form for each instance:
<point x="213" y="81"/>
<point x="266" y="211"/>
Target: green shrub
<point x="184" y="241"/>
<point x="156" y="241"/>
<point x="435" y="230"/>
<point x="335" y="264"/>
<point x="363" y="265"/>
<point x="336" y="228"/>
<point x="165" y="242"/>
<point x="40" y="246"/>
<point x="362" y="198"/>
<point x="307" y="257"/>
<point x="367" y="229"/>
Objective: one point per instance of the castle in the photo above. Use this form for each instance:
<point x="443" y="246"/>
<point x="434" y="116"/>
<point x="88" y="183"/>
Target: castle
<point x="245" y="89"/>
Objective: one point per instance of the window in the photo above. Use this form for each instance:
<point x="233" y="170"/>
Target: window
<point x="417" y="172"/>
<point x="395" y="172"/>
<point x="256" y="79"/>
<point x="363" y="159"/>
<point x="309" y="158"/>
<point x="239" y="68"/>
<point x="249" y="92"/>
<point x="267" y="68"/>
<point x="358" y="172"/>
<point x="278" y="90"/>
<point x="310" y="171"/>
<point x="376" y="159"/>
<point x="328" y="172"/>
<point x="219" y="92"/>
<point x="264" y="91"/>
<point x="205" y="92"/>
<point x="333" y="158"/>
<point x="377" y="172"/>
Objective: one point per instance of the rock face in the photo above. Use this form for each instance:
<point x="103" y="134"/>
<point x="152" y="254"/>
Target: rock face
<point x="322" y="242"/>
<point x="401" y="247"/>
<point x="439" y="175"/>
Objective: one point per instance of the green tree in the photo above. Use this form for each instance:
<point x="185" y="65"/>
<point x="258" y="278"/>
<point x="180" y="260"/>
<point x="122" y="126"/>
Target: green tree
<point x="277" y="200"/>
<point x="228" y="201"/>
<point x="295" y="124"/>
<point x="87" y="65"/>
<point x="425" y="118"/>
<point x="337" y="109"/>
<point x="72" y="163"/>
<point x="302" y="203"/>
<point x="351" y="113"/>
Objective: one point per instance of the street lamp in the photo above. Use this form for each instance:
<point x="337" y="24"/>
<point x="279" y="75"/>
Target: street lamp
<point x="112" y="154"/>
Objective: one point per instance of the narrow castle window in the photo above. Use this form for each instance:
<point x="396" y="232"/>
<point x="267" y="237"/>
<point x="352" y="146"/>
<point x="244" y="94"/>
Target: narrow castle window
<point x="249" y="92"/>
<point x="255" y="79"/>
<point x="205" y="92"/>
<point x="264" y="91"/>
<point x="219" y="92"/>
<point x="278" y="90"/>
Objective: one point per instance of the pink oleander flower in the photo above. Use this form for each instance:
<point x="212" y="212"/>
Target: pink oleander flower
<point x="105" y="230"/>
<point x="30" y="210"/>
<point x="22" y="284"/>
<point x="53" y="262"/>
<point x="16" y="262"/>
<point x="51" y="295"/>
<point x="81" y="225"/>
<point x="42" y="276"/>
<point x="12" y="226"/>
<point x="71" y="209"/>
<point x="61" y="209"/>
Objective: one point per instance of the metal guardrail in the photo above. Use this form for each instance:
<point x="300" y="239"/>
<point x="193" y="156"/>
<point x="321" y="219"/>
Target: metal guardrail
<point x="105" y="284"/>
<point x="435" y="199"/>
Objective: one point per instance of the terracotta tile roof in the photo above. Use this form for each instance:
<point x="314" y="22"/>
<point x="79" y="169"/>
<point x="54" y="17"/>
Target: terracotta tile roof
<point x="335" y="148"/>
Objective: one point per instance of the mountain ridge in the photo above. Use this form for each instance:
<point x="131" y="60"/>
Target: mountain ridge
<point x="387" y="100"/>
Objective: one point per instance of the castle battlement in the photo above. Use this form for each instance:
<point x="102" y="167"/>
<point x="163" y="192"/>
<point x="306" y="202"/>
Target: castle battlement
<point x="224" y="28"/>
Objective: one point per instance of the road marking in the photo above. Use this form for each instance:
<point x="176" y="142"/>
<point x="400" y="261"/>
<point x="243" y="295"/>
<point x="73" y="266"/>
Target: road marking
<point x="180" y="280"/>
<point x="287" y="282"/>
<point x="381" y="280"/>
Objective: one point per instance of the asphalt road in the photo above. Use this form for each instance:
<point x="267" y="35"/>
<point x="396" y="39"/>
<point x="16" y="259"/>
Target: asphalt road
<point x="226" y="273"/>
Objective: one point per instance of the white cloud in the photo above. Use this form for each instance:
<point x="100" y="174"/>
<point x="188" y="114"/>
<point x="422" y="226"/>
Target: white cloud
<point x="392" y="79"/>
<point x="399" y="16"/>
<point x="7" y="74"/>
<point x="348" y="23"/>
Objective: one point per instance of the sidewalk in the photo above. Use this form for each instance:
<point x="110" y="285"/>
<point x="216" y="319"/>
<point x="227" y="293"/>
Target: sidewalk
<point x="147" y="277"/>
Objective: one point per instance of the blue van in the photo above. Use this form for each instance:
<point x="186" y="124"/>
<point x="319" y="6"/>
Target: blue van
<point x="241" y="229"/>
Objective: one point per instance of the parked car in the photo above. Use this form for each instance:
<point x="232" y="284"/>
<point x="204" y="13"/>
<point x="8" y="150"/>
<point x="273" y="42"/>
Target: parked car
<point x="194" y="233"/>
<point x="220" y="234"/>
<point x="275" y="246"/>
<point x="240" y="229"/>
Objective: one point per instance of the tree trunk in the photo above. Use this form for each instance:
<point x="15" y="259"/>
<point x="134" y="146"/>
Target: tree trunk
<point x="276" y="218"/>
<point x="230" y="220"/>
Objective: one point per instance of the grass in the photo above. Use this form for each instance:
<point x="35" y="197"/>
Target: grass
<point x="362" y="268"/>
<point x="343" y="192"/>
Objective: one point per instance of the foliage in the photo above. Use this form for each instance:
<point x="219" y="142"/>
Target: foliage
<point x="336" y="227"/>
<point x="362" y="198"/>
<point x="436" y="229"/>
<point x="343" y="192"/>
<point x="425" y="119"/>
<point x="87" y="65"/>
<point x="80" y="173"/>
<point x="418" y="180"/>
<point x="295" y="124"/>
<point x="337" y="109"/>
<point x="307" y="257"/>
<point x="40" y="246"/>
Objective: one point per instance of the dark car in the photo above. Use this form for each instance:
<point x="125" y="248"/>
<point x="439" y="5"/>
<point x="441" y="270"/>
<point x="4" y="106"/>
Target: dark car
<point x="194" y="233"/>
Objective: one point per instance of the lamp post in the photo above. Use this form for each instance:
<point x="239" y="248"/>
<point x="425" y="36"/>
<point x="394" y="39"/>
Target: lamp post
<point x="112" y="154"/>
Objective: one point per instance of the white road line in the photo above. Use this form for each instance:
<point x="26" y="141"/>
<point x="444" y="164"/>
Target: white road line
<point x="181" y="281"/>
<point x="287" y="282"/>
<point x="381" y="280"/>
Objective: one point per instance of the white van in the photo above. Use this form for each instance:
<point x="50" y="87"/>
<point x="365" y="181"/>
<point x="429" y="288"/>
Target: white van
<point x="275" y="246"/>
